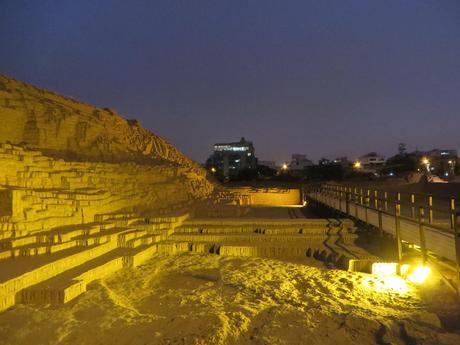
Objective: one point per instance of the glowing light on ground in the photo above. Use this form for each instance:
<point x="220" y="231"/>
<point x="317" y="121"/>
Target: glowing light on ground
<point x="384" y="268"/>
<point x="419" y="274"/>
<point x="385" y="276"/>
<point x="386" y="284"/>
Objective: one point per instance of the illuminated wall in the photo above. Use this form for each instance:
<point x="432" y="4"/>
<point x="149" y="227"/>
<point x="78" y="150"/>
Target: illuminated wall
<point x="268" y="196"/>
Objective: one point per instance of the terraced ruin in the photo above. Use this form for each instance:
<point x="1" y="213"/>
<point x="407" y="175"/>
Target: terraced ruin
<point x="88" y="197"/>
<point x="65" y="224"/>
<point x="85" y="193"/>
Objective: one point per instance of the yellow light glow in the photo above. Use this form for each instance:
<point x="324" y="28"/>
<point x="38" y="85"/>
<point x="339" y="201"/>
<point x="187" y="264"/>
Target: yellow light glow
<point x="357" y="165"/>
<point x="284" y="167"/>
<point x="213" y="169"/>
<point x="419" y="274"/>
<point x="384" y="268"/>
<point x="404" y="269"/>
<point x="385" y="278"/>
<point x="386" y="284"/>
<point x="425" y="161"/>
<point x="450" y="162"/>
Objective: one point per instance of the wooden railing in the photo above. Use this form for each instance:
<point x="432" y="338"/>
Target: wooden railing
<point x="427" y="221"/>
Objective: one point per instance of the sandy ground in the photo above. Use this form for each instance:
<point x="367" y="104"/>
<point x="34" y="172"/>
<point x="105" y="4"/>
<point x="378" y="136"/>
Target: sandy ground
<point x="206" y="299"/>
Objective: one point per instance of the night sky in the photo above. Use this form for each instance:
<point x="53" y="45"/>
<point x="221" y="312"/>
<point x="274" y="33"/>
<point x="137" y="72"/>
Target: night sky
<point x="324" y="78"/>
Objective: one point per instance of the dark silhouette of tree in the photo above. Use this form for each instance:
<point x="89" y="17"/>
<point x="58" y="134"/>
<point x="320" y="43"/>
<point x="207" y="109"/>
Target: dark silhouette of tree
<point x="265" y="171"/>
<point x="400" y="164"/>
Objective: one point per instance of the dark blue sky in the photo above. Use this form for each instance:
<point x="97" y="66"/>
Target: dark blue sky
<point x="325" y="78"/>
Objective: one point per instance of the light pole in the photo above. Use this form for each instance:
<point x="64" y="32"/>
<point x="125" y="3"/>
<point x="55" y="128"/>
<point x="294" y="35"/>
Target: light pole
<point x="426" y="161"/>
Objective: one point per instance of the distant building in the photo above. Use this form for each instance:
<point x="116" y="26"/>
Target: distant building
<point x="299" y="162"/>
<point x="230" y="159"/>
<point x="441" y="154"/>
<point x="371" y="162"/>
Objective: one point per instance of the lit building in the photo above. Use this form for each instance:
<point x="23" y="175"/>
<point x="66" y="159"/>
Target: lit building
<point x="229" y="160"/>
<point x="371" y="162"/>
<point x="299" y="162"/>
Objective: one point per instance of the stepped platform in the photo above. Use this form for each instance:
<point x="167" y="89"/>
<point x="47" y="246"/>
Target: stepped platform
<point x="70" y="284"/>
<point x="328" y="240"/>
<point x="55" y="266"/>
<point x="288" y="239"/>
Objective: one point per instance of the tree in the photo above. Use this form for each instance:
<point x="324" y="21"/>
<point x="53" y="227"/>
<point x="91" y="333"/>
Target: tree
<point x="400" y="164"/>
<point x="265" y="171"/>
<point x="325" y="172"/>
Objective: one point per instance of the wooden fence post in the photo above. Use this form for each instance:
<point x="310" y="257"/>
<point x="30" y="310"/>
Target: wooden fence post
<point x="366" y="206"/>
<point x="430" y="209"/>
<point x="347" y="201"/>
<point x="385" y="197"/>
<point x="421" y="222"/>
<point x="457" y="243"/>
<point x="398" y="230"/>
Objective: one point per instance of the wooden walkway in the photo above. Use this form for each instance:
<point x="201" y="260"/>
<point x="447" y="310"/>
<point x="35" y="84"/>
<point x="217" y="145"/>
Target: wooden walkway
<point x="417" y="225"/>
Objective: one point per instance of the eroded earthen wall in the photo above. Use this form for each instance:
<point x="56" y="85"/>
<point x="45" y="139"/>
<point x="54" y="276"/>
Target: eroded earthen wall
<point x="42" y="119"/>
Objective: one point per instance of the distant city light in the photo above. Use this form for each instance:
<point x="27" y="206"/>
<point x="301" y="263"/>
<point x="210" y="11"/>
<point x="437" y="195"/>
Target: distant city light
<point x="357" y="165"/>
<point x="213" y="169"/>
<point x="284" y="166"/>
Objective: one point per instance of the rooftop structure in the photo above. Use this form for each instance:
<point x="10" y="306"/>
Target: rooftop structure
<point x="370" y="162"/>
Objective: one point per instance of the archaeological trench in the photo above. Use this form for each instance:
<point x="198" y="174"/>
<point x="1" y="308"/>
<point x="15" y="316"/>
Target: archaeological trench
<point x="85" y="193"/>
